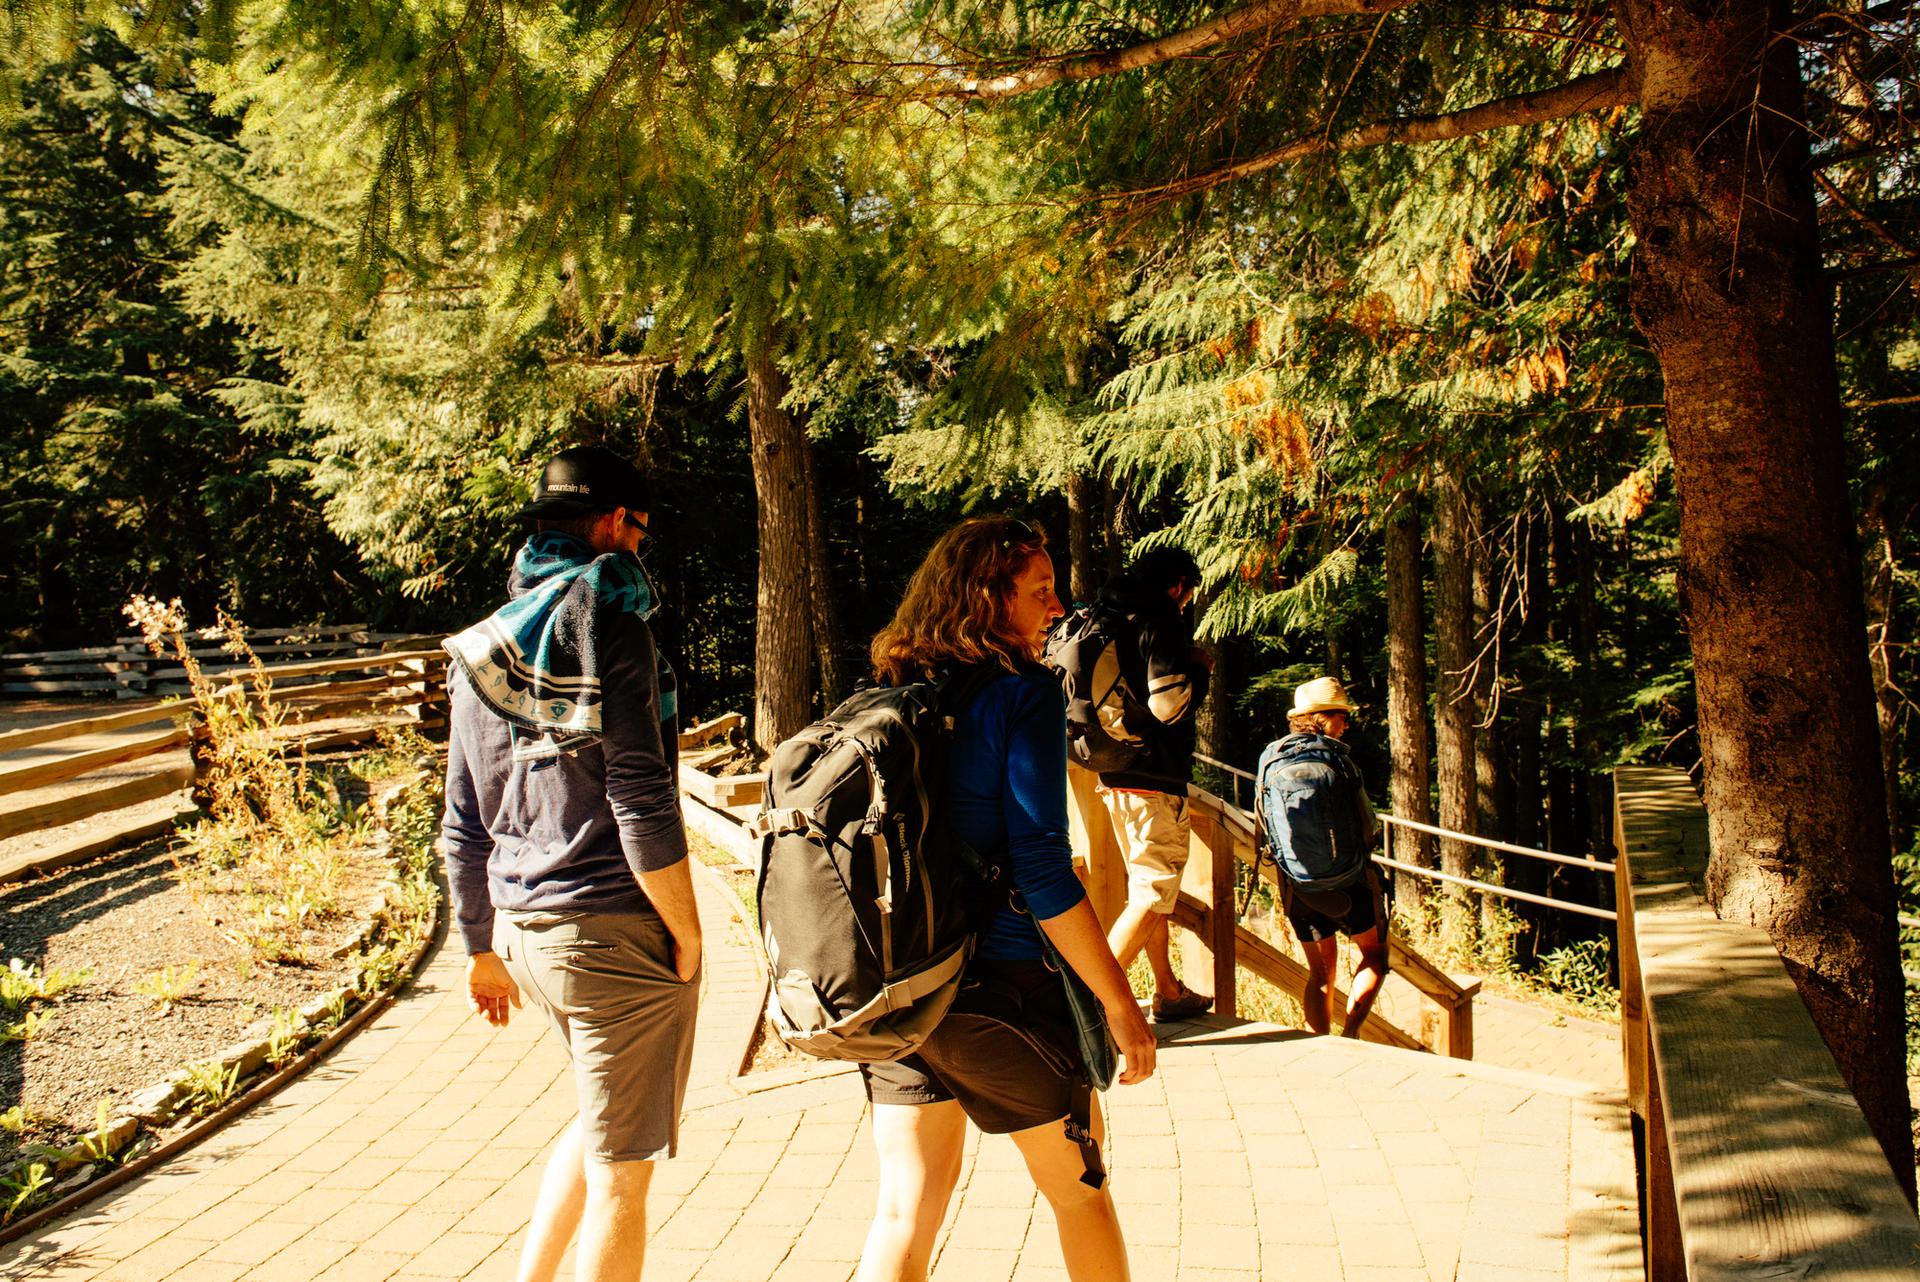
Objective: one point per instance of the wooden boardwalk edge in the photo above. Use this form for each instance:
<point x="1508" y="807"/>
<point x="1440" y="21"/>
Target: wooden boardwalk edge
<point x="1773" y="1171"/>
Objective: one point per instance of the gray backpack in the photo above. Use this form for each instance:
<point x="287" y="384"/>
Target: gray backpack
<point x="1102" y="711"/>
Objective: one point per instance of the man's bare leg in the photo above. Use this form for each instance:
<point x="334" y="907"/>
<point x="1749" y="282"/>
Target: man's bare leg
<point x="556" y="1210"/>
<point x="1137" y="927"/>
<point x="613" y="1224"/>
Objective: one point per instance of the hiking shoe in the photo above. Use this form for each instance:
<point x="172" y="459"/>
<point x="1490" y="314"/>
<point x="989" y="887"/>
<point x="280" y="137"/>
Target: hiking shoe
<point x="1185" y="1006"/>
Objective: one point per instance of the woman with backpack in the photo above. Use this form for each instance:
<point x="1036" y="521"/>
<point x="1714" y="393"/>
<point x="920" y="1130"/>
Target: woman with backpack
<point x="1005" y="1055"/>
<point x="1321" y="827"/>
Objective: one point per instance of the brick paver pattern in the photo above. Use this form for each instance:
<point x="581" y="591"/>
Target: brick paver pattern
<point x="1254" y="1153"/>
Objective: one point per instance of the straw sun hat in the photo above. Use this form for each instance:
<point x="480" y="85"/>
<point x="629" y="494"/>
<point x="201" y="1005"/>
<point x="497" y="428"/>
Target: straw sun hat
<point x="1322" y="694"/>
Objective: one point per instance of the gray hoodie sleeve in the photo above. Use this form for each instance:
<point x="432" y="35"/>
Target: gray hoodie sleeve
<point x="642" y="786"/>
<point x="464" y="840"/>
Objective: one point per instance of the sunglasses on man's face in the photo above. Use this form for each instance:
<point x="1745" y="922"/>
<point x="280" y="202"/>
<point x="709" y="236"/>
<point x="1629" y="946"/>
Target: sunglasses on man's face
<point x="637" y="524"/>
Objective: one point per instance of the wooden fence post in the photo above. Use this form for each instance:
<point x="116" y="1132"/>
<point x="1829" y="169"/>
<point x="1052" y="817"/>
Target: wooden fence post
<point x="1091" y="832"/>
<point x="1226" y="966"/>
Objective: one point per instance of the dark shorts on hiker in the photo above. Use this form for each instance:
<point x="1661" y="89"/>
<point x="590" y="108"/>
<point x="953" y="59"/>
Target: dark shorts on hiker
<point x="1323" y="914"/>
<point x="606" y="982"/>
<point x="1005" y="1051"/>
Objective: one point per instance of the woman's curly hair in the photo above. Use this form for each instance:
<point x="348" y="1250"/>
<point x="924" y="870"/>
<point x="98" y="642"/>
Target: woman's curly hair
<point x="955" y="607"/>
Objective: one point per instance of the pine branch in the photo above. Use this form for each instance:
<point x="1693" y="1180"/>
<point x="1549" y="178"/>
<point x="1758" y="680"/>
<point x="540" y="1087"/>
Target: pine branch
<point x="1596" y="91"/>
<point x="1093" y="65"/>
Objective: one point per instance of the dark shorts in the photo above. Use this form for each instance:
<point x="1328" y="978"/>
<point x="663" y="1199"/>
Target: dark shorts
<point x="1323" y="914"/>
<point x="1005" y="1050"/>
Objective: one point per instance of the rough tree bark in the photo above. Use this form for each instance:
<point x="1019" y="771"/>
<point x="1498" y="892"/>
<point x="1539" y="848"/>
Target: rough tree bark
<point x="1213" y="722"/>
<point x="1527" y="714"/>
<point x="824" y="616"/>
<point x="1728" y="290"/>
<point x="1407" y="739"/>
<point x="1454" y="712"/>
<point x="1881" y="647"/>
<point x="782" y="641"/>
<point x="1493" y="797"/>
<point x="1083" y="572"/>
<point x="1493" y="801"/>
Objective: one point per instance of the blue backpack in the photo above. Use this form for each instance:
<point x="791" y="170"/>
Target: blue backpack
<point x="1309" y="798"/>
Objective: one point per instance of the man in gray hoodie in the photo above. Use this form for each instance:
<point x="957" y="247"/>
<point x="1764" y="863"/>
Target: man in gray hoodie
<point x="566" y="855"/>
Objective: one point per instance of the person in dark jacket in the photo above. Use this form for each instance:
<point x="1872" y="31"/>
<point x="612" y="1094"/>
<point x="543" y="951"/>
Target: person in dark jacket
<point x="1167" y="676"/>
<point x="566" y="855"/>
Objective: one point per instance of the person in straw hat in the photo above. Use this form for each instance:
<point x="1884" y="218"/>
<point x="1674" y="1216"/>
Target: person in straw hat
<point x="1314" y="810"/>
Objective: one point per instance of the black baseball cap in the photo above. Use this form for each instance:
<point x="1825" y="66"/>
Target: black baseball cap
<point x="584" y="480"/>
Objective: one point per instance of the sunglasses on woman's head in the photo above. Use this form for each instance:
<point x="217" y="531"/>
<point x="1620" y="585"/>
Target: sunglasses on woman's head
<point x="1022" y="533"/>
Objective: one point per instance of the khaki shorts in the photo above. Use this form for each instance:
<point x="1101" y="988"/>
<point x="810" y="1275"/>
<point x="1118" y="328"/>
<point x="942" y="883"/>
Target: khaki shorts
<point x="606" y="981"/>
<point x="1156" y="837"/>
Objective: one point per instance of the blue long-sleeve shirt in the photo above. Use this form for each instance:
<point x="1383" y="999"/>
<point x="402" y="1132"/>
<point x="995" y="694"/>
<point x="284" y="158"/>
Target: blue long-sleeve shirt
<point x="569" y="833"/>
<point x="1008" y="791"/>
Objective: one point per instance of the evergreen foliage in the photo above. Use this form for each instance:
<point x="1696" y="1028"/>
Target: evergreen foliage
<point x="122" y="467"/>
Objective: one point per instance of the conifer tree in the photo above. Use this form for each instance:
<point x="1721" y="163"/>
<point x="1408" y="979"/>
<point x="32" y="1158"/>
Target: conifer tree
<point x="123" y="466"/>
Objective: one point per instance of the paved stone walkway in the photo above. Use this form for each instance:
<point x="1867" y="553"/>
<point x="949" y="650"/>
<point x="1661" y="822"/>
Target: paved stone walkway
<point x="1255" y="1153"/>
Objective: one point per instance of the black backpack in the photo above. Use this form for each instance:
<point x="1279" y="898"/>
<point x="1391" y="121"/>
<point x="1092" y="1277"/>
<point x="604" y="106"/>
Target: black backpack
<point x="869" y="902"/>
<point x="1101" y="708"/>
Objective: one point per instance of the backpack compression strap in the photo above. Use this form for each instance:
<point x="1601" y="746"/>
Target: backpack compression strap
<point x="778" y="823"/>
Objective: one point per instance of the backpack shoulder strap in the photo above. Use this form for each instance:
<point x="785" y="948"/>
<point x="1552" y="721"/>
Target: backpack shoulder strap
<point x="957" y="689"/>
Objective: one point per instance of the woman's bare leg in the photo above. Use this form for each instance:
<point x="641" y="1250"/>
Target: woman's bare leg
<point x="1090" y="1237"/>
<point x="920" y="1147"/>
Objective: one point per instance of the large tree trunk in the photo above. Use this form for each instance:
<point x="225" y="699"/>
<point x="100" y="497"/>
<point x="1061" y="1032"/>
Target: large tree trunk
<point x="782" y="642"/>
<point x="1083" y="515"/>
<point x="1526" y="713"/>
<point x="1571" y="626"/>
<point x="1881" y="649"/>
<point x="1407" y="741"/>
<point x="1453" y="705"/>
<point x="1728" y="290"/>
<point x="1487" y="655"/>
<point x="1493" y="784"/>
<point x="825" y="613"/>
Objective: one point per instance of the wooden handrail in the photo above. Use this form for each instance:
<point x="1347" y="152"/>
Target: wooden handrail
<point x="325" y="667"/>
<point x="1488" y="843"/>
<point x="81" y="805"/>
<point x="1488" y="888"/>
<point x="1755" y="1159"/>
<point x="1223" y="840"/>
<point x="1453" y="998"/>
<point x="1283" y="972"/>
<point x="407" y="680"/>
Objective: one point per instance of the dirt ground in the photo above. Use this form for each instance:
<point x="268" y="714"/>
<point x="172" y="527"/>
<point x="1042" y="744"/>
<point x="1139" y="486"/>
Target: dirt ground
<point x="125" y="918"/>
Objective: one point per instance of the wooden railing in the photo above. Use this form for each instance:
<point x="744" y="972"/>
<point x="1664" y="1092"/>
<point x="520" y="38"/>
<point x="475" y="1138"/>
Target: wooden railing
<point x="127" y="668"/>
<point x="1392" y="824"/>
<point x="411" y="682"/>
<point x="1755" y="1160"/>
<point x="1219" y="946"/>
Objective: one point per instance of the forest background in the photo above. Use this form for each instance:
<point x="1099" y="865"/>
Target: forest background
<point x="288" y="320"/>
